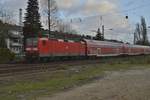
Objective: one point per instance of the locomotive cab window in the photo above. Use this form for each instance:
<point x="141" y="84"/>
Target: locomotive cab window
<point x="32" y="42"/>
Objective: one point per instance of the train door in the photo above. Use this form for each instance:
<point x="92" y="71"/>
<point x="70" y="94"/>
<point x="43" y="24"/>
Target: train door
<point x="98" y="51"/>
<point x="44" y="48"/>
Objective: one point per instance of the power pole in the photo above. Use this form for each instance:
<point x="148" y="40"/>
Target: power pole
<point x="135" y="37"/>
<point x="103" y="31"/>
<point x="49" y="23"/>
<point x="21" y="30"/>
<point x="102" y="26"/>
<point x="20" y="17"/>
<point x="101" y="21"/>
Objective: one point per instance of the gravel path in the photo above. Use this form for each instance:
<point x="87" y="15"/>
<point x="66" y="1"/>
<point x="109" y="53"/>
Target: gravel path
<point x="123" y="85"/>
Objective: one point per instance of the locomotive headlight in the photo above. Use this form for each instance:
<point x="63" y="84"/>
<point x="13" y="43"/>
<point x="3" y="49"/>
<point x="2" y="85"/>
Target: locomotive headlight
<point x="35" y="49"/>
<point x="31" y="49"/>
<point x="28" y="49"/>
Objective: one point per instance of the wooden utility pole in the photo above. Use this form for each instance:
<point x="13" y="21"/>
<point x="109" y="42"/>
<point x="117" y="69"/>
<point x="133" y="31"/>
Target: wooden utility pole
<point x="102" y="26"/>
<point x="103" y="31"/>
<point x="20" y="17"/>
<point x="49" y="23"/>
<point x="136" y="37"/>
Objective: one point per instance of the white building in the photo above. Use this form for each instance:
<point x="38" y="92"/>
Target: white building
<point x="15" y="41"/>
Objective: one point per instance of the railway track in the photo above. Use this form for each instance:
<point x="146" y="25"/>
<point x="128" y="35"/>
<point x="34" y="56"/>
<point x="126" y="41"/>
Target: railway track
<point x="9" y="69"/>
<point x="21" y="68"/>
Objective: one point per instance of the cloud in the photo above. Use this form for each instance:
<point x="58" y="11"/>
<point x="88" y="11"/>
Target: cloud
<point x="69" y="7"/>
<point x="65" y="4"/>
<point x="14" y="4"/>
<point x="12" y="7"/>
<point x="62" y="4"/>
<point x="75" y="9"/>
<point x="91" y="10"/>
<point x="101" y="6"/>
<point x="88" y="7"/>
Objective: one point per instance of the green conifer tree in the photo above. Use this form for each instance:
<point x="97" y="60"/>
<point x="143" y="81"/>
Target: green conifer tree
<point x="32" y="24"/>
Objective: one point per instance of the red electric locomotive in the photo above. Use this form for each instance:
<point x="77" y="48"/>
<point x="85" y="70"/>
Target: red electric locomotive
<point x="49" y="48"/>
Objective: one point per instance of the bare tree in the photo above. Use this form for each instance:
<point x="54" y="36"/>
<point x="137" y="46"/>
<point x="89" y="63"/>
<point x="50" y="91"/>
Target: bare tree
<point x="137" y="33"/>
<point x="144" y="30"/>
<point x="53" y="12"/>
<point x="6" y="16"/>
<point x="140" y="34"/>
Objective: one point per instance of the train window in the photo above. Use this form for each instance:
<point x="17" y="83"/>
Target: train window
<point x="32" y="42"/>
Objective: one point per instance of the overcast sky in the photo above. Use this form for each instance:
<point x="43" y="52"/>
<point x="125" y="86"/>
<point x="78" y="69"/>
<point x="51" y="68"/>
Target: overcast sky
<point x="113" y="14"/>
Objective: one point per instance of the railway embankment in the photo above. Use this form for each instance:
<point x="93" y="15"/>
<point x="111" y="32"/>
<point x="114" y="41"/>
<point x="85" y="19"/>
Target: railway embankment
<point x="30" y="86"/>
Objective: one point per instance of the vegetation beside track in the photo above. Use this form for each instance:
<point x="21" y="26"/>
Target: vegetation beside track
<point x="28" y="87"/>
<point x="6" y="55"/>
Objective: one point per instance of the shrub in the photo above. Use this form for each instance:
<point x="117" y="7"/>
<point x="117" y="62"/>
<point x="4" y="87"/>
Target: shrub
<point x="6" y="55"/>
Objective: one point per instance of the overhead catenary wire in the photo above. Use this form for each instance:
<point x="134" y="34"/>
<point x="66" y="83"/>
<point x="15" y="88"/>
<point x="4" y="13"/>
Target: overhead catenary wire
<point x="84" y="18"/>
<point x="116" y="13"/>
<point x="132" y="2"/>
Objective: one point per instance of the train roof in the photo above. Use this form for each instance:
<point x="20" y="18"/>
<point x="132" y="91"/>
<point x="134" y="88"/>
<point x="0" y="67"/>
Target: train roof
<point x="138" y="46"/>
<point x="62" y="35"/>
<point x="96" y="42"/>
<point x="108" y="43"/>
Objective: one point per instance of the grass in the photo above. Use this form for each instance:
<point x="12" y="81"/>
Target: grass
<point x="48" y="83"/>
